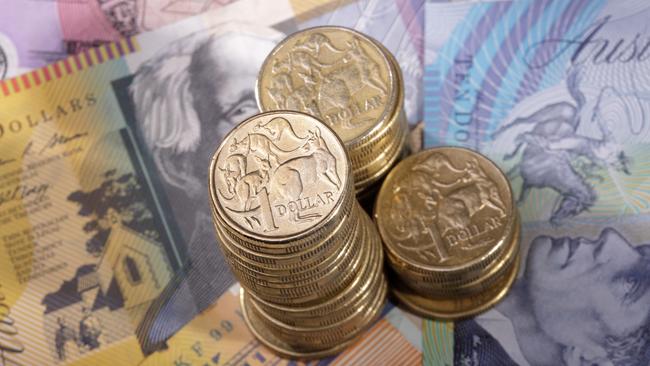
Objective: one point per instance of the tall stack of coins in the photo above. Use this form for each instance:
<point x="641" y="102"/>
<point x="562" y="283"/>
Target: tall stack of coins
<point x="349" y="81"/>
<point x="309" y="259"/>
<point x="451" y="232"/>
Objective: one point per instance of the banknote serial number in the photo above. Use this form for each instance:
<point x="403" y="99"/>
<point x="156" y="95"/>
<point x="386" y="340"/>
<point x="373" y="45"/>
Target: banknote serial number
<point x="198" y="350"/>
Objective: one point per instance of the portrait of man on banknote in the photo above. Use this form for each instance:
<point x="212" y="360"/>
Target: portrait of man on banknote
<point x="187" y="98"/>
<point x="580" y="301"/>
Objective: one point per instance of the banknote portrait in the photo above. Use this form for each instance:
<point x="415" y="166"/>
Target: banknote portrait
<point x="123" y="15"/>
<point x="580" y="301"/>
<point x="187" y="98"/>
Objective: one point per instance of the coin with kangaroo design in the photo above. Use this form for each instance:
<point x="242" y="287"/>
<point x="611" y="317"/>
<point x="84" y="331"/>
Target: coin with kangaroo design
<point x="349" y="81"/>
<point x="450" y="230"/>
<point x="308" y="257"/>
<point x="278" y="175"/>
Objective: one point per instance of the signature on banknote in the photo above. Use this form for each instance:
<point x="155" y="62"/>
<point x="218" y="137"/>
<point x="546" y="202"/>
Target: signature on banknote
<point x="23" y="191"/>
<point x="9" y="340"/>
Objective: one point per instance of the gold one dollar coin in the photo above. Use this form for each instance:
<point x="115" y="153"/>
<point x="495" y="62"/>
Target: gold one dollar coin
<point x="334" y="73"/>
<point x="450" y="229"/>
<point x="278" y="176"/>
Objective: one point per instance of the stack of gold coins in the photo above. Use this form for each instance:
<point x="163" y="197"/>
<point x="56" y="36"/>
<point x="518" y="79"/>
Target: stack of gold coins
<point x="309" y="259"/>
<point x="349" y="81"/>
<point x="451" y="232"/>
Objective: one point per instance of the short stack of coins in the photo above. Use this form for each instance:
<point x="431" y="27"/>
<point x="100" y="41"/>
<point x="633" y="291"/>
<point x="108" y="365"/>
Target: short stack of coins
<point x="450" y="231"/>
<point x="349" y="81"/>
<point x="308" y="258"/>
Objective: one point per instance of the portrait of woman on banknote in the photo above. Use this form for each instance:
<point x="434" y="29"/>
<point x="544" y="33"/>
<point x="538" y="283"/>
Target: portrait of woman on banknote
<point x="580" y="301"/>
<point x="187" y="98"/>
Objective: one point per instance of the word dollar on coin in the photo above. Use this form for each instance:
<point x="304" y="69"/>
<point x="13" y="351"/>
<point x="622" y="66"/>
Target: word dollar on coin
<point x="451" y="232"/>
<point x="308" y="258"/>
<point x="349" y="81"/>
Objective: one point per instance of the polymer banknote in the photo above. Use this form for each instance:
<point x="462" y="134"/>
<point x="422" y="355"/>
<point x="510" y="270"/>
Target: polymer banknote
<point x="219" y="336"/>
<point x="36" y="33"/>
<point x="65" y="27"/>
<point x="556" y="93"/>
<point x="107" y="242"/>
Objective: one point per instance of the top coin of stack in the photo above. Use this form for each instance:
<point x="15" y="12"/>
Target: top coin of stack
<point x="450" y="230"/>
<point x="309" y="259"/>
<point x="349" y="81"/>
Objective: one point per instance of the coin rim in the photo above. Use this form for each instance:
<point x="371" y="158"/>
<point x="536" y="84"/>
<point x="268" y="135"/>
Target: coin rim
<point x="293" y="354"/>
<point x="495" y="272"/>
<point x="410" y="300"/>
<point x="388" y="112"/>
<point x="446" y="270"/>
<point x="278" y="239"/>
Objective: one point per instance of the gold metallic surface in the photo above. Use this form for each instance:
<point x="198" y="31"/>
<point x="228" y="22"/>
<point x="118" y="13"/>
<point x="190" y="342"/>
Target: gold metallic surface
<point x="463" y="281"/>
<point x="348" y="80"/>
<point x="295" y="292"/>
<point x="456" y="307"/>
<point x="310" y="269"/>
<point x="370" y="276"/>
<point x="336" y="74"/>
<point x="468" y="286"/>
<point x="283" y="348"/>
<point x="278" y="176"/>
<point x="445" y="210"/>
<point x="293" y="245"/>
<point x="450" y="231"/>
<point x="322" y="247"/>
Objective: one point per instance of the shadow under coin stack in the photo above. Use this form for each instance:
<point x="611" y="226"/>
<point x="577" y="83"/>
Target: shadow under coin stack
<point x="349" y="81"/>
<point x="308" y="258"/>
<point x="451" y="232"/>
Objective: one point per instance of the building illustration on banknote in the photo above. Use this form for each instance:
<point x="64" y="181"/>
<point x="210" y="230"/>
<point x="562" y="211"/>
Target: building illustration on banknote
<point x="132" y="269"/>
<point x="81" y="314"/>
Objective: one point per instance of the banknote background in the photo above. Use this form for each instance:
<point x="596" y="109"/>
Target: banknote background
<point x="68" y="27"/>
<point x="113" y="143"/>
<point x="557" y="94"/>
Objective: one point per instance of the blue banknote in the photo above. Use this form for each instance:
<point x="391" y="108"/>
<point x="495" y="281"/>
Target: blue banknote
<point x="557" y="93"/>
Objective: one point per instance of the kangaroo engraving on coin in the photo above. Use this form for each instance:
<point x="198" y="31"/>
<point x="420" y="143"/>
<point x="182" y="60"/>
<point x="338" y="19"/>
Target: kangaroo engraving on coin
<point x="448" y="207"/>
<point x="333" y="73"/>
<point x="279" y="174"/>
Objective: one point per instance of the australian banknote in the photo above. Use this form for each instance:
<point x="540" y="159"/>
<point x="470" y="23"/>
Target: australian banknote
<point x="107" y="246"/>
<point x="556" y="93"/>
<point x="219" y="336"/>
<point x="62" y="27"/>
<point x="36" y="33"/>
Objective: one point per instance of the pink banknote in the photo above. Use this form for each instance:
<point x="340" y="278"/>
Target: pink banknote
<point x="36" y="33"/>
